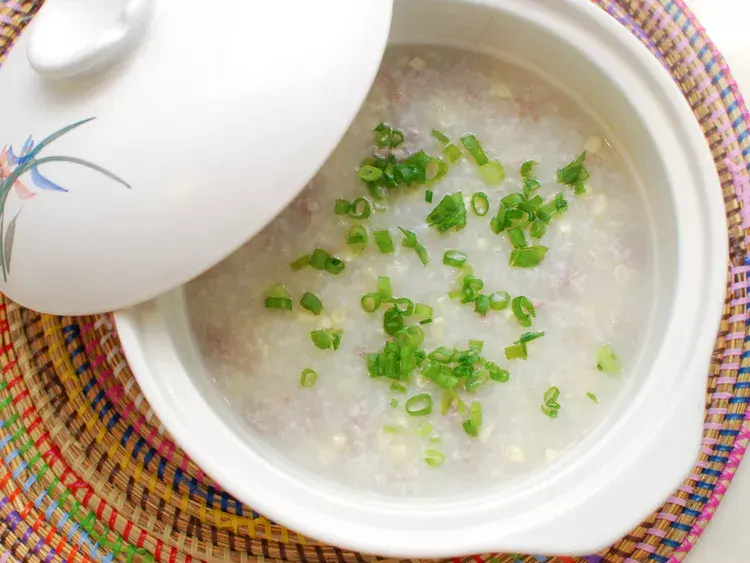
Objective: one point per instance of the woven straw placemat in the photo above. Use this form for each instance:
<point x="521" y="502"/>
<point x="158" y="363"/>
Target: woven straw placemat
<point x="87" y="473"/>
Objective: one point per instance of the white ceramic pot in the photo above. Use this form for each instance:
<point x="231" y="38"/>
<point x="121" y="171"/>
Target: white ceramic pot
<point x="622" y="471"/>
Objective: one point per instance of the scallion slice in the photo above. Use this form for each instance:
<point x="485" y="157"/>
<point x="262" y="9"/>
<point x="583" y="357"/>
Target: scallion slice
<point x="538" y="229"/>
<point x="319" y="259"/>
<point x="419" y="405"/>
<point x="450" y="212"/>
<point x="300" y="263"/>
<point x="524" y="310"/>
<point x="394" y="403"/>
<point x="393" y="321"/>
<point x="527" y="257"/>
<point x="475" y="149"/>
<point x="441" y="137"/>
<point x="517" y="237"/>
<point x="551" y="395"/>
<point x="549" y="411"/>
<point x="480" y="204"/>
<point x="326" y="338"/>
<point x="482" y="304"/>
<point x="551" y="406"/>
<point x="552" y="208"/>
<point x="361" y="208"/>
<point x="428" y="196"/>
<point x="476" y="345"/>
<point x="277" y="297"/>
<point x="454" y="258"/>
<point x="497" y="373"/>
<point x="312" y="303"/>
<point x="334" y="265"/>
<point x="308" y="377"/>
<point x="410" y="241"/>
<point x="574" y="174"/>
<point x="368" y="173"/>
<point x="384" y="289"/>
<point x="404" y="305"/>
<point x="398" y="388"/>
<point x="527" y="168"/>
<point x="433" y="457"/>
<point x="592" y="397"/>
<point x="516" y="352"/>
<point x="530" y="185"/>
<point x="499" y="300"/>
<point x="452" y="152"/>
<point x="342" y="206"/>
<point x="357" y="238"/>
<point x="607" y="361"/>
<point x="436" y="169"/>
<point x="384" y="241"/>
<point x="472" y="425"/>
<point x="492" y="173"/>
<point x="370" y="302"/>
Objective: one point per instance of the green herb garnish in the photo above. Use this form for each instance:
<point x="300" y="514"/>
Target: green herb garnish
<point x="607" y="361"/>
<point x="527" y="257"/>
<point x="308" y="377"/>
<point x="327" y="338"/>
<point x="410" y="241"/>
<point x="450" y="212"/>
<point x="277" y="297"/>
<point x="384" y="241"/>
<point x="574" y="175"/>
<point x="312" y="303"/>
<point x="480" y="204"/>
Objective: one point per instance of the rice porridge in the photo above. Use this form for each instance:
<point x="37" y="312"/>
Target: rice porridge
<point x="431" y="413"/>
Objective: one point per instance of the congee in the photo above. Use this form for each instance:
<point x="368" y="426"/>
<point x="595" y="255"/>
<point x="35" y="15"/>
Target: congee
<point x="455" y="300"/>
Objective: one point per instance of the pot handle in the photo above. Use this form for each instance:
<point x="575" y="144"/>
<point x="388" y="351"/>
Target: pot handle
<point x="69" y="40"/>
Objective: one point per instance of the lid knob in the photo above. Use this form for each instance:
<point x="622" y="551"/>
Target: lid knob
<point x="75" y="38"/>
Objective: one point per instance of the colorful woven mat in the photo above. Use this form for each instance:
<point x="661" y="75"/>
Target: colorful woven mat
<point x="87" y="473"/>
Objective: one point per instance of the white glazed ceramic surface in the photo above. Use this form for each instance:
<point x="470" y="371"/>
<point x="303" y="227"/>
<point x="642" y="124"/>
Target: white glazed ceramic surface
<point x="209" y="122"/>
<point x="605" y="486"/>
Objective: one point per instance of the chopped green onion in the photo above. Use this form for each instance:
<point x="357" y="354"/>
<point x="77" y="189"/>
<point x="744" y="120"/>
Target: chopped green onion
<point x="471" y="426"/>
<point x="357" y="238"/>
<point x="574" y="174"/>
<point x="368" y="173"/>
<point x="530" y="336"/>
<point x="410" y="241"/>
<point x="319" y="258"/>
<point x="516" y="352"/>
<point x="398" y="388"/>
<point x="552" y="208"/>
<point x="452" y="152"/>
<point x="312" y="303"/>
<point x="476" y="345"/>
<point x="450" y="212"/>
<point x="421" y="310"/>
<point x="342" y="206"/>
<point x="492" y="173"/>
<point x="527" y="167"/>
<point x="441" y="137"/>
<point x="308" y="377"/>
<point x="394" y="403"/>
<point x="424" y="430"/>
<point x="454" y="258"/>
<point x="592" y="397"/>
<point x="425" y="322"/>
<point x="397" y="138"/>
<point x="419" y="405"/>
<point x="517" y="237"/>
<point x="435" y="440"/>
<point x="530" y="185"/>
<point x="500" y="221"/>
<point x="538" y="229"/>
<point x="370" y="302"/>
<point x="524" y="310"/>
<point x="389" y="429"/>
<point x="327" y="338"/>
<point x="497" y="373"/>
<point x="277" y="297"/>
<point x="334" y="265"/>
<point x="384" y="289"/>
<point x="442" y="354"/>
<point x="300" y="263"/>
<point x="499" y="300"/>
<point x="482" y="304"/>
<point x="480" y="204"/>
<point x="551" y="395"/>
<point x="384" y="241"/>
<point x="475" y="149"/>
<point x="428" y="196"/>
<point x="513" y="200"/>
<point x="361" y="208"/>
<point x="527" y="257"/>
<point x="404" y="305"/>
<point x="433" y="457"/>
<point x="393" y="321"/>
<point x="436" y="169"/>
<point x="607" y="361"/>
<point x="549" y="411"/>
<point x="387" y="137"/>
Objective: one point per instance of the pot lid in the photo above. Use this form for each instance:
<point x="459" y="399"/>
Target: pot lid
<point x="145" y="140"/>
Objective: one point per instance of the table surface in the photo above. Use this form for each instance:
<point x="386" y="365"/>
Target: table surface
<point x="726" y="539"/>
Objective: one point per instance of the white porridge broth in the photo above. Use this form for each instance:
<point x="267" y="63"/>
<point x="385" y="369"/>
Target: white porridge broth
<point x="592" y="291"/>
